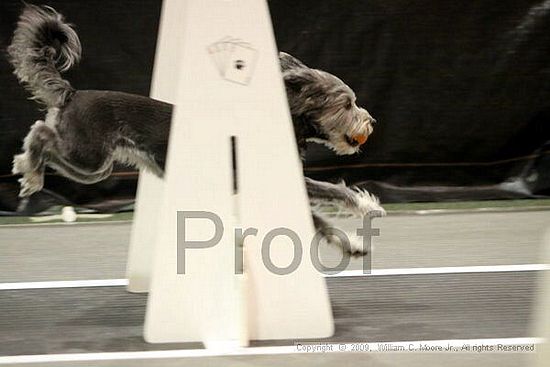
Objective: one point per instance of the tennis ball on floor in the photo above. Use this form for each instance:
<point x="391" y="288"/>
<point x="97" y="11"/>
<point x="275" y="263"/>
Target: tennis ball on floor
<point x="68" y="214"/>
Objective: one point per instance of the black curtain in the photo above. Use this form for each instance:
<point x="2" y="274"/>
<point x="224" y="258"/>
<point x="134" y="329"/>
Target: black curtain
<point x="461" y="91"/>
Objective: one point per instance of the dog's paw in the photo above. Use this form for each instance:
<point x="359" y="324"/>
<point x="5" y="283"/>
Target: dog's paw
<point x="367" y="204"/>
<point x="20" y="164"/>
<point x="353" y="245"/>
<point x="31" y="183"/>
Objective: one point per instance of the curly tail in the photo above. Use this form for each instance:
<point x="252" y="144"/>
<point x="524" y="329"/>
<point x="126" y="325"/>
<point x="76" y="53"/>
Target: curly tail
<point x="43" y="46"/>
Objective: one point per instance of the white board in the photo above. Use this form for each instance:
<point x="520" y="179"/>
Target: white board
<point x="247" y="101"/>
<point x="150" y="187"/>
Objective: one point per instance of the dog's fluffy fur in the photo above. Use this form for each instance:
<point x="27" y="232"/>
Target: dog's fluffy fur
<point x="86" y="131"/>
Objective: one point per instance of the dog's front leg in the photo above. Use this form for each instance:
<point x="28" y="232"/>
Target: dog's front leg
<point x="359" y="202"/>
<point x="350" y="243"/>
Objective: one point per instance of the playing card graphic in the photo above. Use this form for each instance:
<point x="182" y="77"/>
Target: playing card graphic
<point x="234" y="59"/>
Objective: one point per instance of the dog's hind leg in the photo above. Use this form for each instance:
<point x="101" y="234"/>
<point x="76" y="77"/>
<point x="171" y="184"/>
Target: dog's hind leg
<point x="31" y="162"/>
<point x="39" y="137"/>
<point x="65" y="168"/>
<point x="360" y="202"/>
<point x="43" y="146"/>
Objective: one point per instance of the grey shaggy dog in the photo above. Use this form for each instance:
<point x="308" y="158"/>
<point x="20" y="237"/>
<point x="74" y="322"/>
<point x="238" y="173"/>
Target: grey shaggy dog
<point x="86" y="131"/>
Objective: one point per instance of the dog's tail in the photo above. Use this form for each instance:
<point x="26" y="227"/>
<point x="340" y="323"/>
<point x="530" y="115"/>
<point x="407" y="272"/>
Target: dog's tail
<point x="43" y="46"/>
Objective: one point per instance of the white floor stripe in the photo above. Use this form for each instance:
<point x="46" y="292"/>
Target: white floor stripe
<point x="290" y="349"/>
<point x="345" y="273"/>
<point x="442" y="270"/>
<point x="64" y="284"/>
<point x="125" y="221"/>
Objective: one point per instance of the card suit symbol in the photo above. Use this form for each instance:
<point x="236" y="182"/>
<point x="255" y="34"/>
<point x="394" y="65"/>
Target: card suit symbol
<point x="240" y="64"/>
<point x="234" y="59"/>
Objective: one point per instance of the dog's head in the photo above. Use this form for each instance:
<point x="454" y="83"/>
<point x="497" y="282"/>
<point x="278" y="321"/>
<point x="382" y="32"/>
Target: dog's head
<point x="327" y="104"/>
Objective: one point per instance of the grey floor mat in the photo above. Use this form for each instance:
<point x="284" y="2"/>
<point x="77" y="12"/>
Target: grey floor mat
<point x="366" y="309"/>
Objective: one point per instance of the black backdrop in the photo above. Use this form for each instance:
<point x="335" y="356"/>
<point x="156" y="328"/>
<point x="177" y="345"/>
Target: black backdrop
<point x="461" y="91"/>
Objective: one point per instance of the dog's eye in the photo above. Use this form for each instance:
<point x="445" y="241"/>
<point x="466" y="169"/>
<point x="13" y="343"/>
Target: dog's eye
<point x="348" y="105"/>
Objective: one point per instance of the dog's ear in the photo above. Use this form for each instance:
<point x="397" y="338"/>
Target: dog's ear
<point x="289" y="62"/>
<point x="296" y="79"/>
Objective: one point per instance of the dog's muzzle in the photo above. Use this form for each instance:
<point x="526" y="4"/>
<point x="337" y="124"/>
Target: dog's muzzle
<point x="356" y="140"/>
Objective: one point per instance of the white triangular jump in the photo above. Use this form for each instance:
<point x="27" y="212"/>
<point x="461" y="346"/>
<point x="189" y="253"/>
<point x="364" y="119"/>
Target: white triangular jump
<point x="228" y="98"/>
